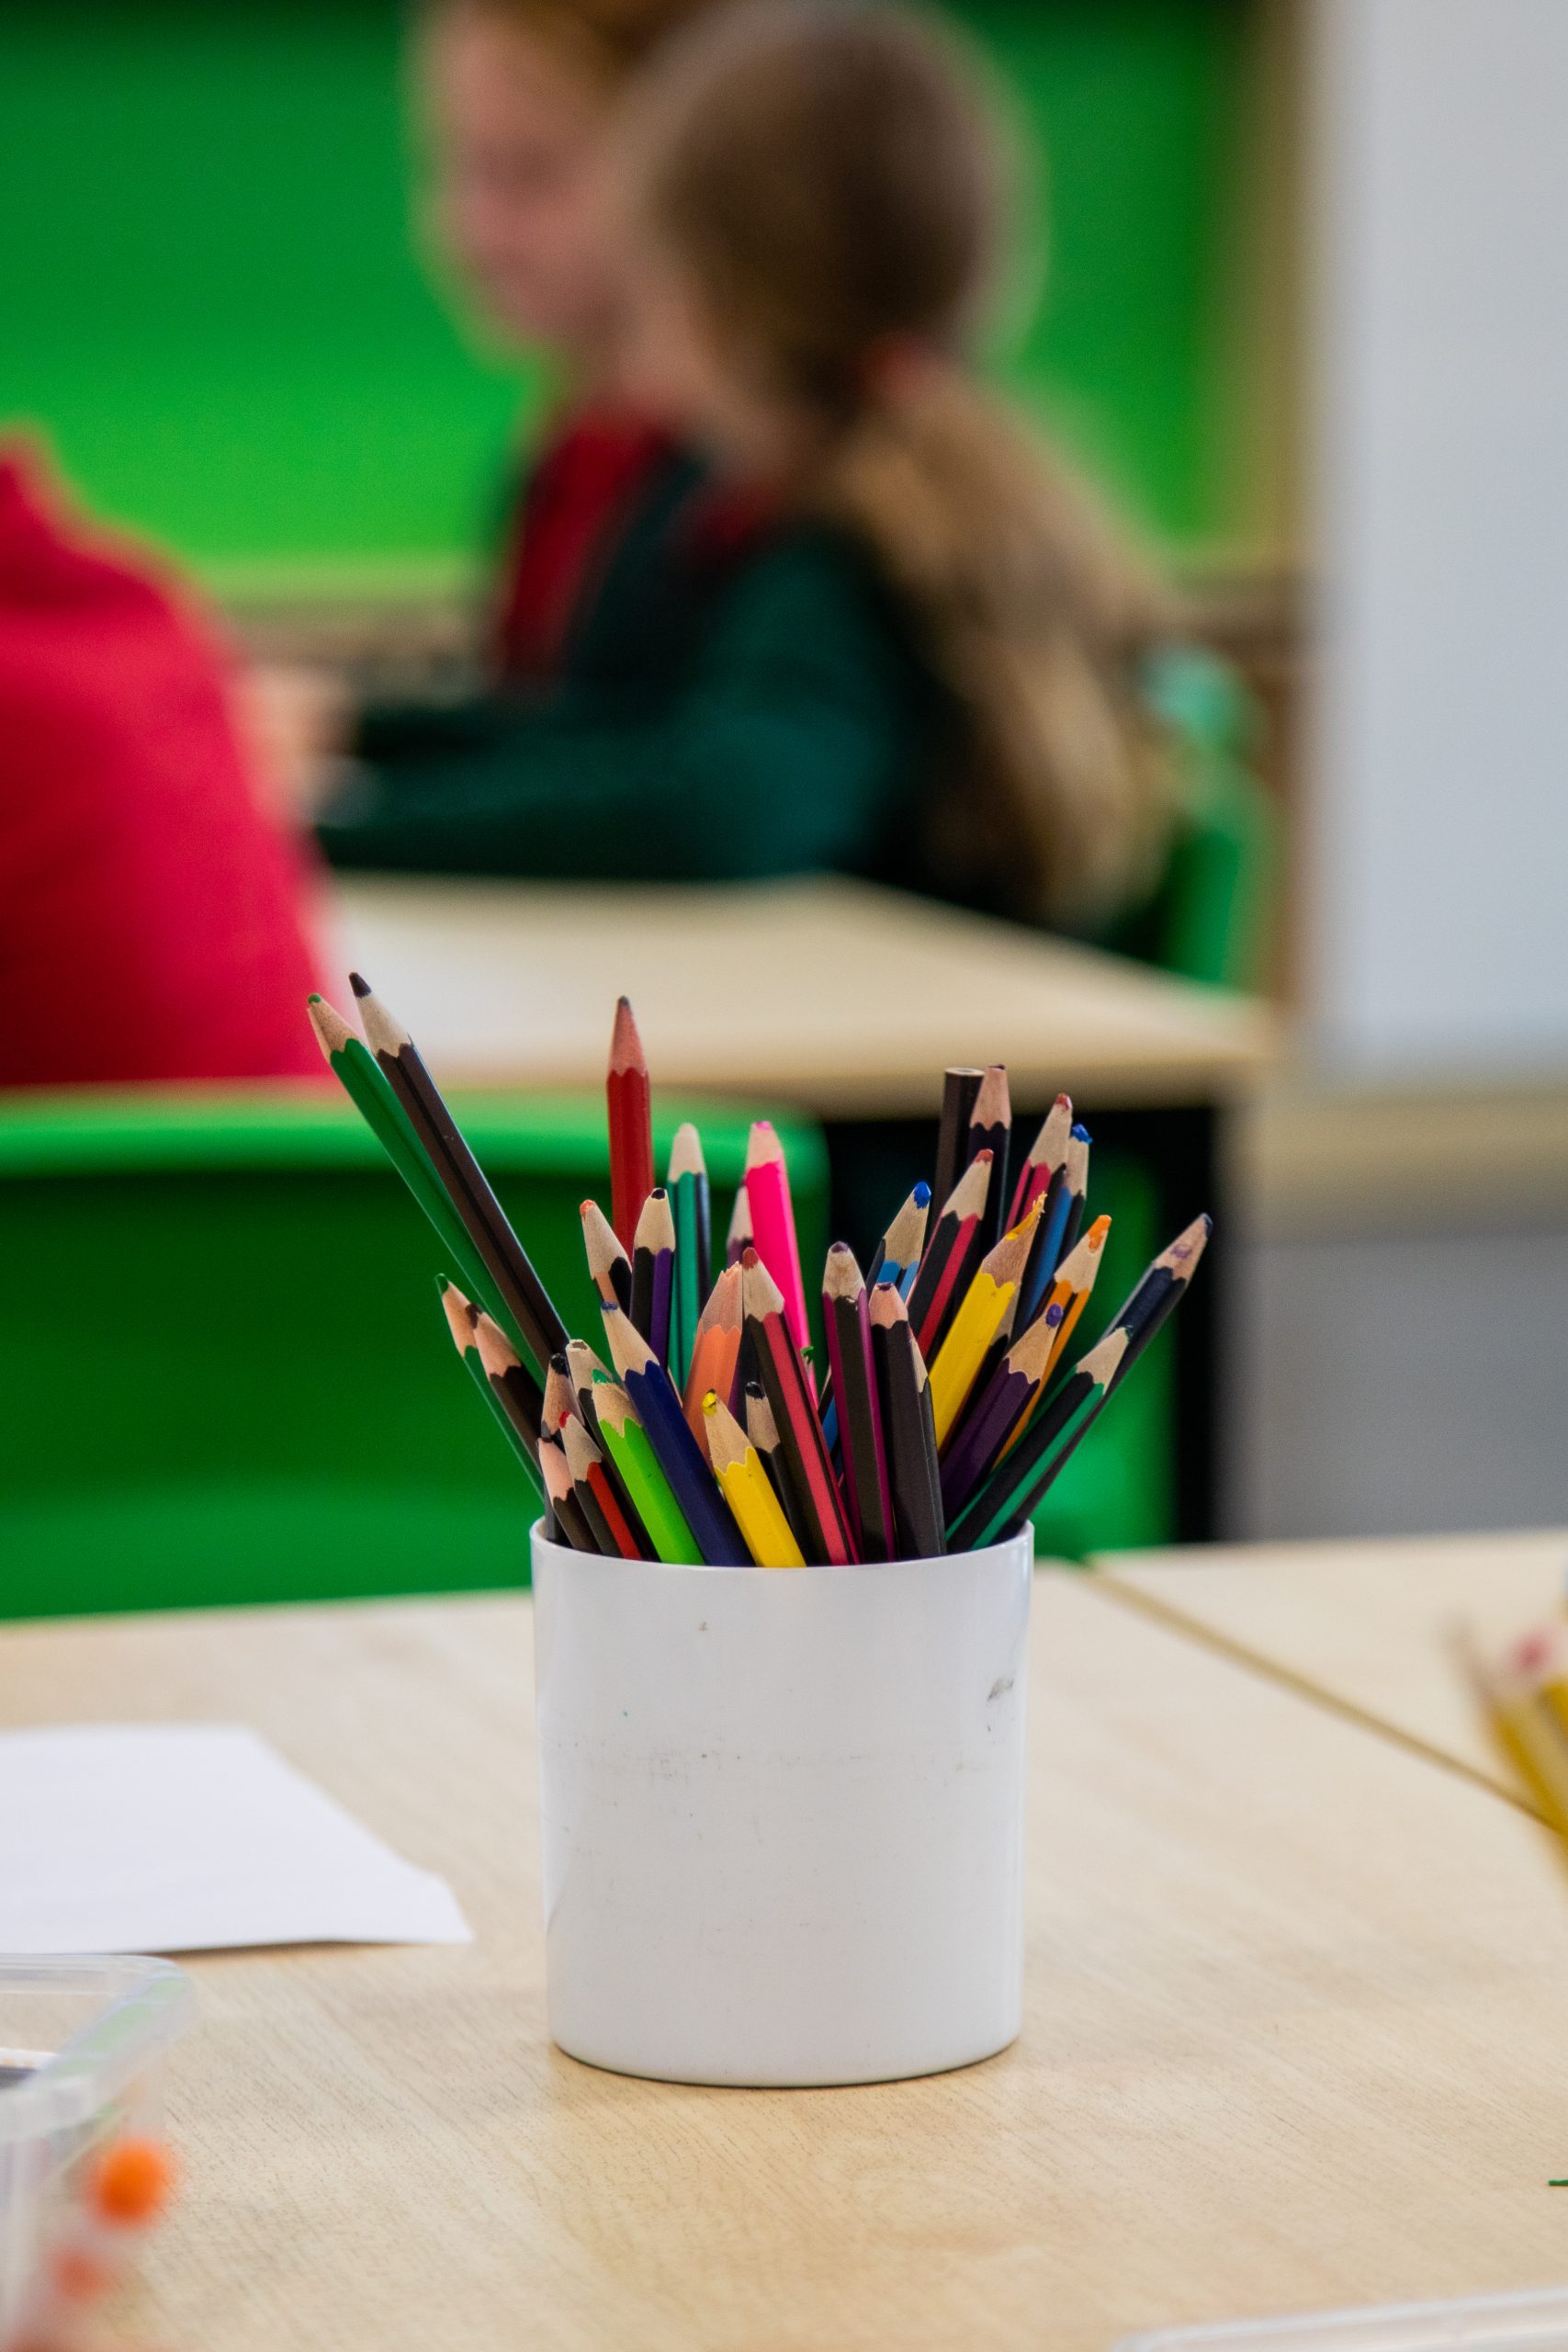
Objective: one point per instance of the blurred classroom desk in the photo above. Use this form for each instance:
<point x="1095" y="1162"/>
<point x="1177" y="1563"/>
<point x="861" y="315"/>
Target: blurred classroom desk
<point x="848" y="1001"/>
<point x="1288" y="1990"/>
<point x="1368" y="1628"/>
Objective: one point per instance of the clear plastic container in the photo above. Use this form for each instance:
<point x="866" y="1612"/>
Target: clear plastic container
<point x="1535" y="2321"/>
<point x="84" y="2046"/>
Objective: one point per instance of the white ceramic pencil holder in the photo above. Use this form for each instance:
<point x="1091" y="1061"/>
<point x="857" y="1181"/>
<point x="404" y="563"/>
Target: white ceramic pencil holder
<point x="783" y="1814"/>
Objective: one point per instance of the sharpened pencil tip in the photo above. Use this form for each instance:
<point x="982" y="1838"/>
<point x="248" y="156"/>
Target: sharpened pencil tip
<point x="922" y="1194"/>
<point x="359" y="984"/>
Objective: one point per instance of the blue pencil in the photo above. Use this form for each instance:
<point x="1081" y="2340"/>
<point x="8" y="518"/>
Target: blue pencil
<point x="675" y="1449"/>
<point x="1069" y="1187"/>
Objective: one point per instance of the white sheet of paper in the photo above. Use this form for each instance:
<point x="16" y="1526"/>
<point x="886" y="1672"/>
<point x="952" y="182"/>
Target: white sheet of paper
<point x="169" y="1837"/>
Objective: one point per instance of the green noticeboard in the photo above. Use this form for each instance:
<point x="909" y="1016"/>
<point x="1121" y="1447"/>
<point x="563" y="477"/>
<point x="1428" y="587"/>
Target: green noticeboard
<point x="214" y="312"/>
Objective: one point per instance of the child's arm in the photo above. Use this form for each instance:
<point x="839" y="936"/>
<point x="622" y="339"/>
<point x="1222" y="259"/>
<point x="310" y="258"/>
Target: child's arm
<point x="788" y="750"/>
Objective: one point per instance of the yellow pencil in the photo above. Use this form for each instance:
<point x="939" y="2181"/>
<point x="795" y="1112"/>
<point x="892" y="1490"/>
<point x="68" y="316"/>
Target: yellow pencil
<point x="1522" y="1697"/>
<point x="739" y="1469"/>
<point x="978" y="1321"/>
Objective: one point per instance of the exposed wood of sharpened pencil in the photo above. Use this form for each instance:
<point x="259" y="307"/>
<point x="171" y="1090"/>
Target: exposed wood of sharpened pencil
<point x="818" y="1511"/>
<point x="951" y="1254"/>
<point x="626" y="1445"/>
<point x="865" y="1485"/>
<point x="959" y="1088"/>
<point x="612" y="1528"/>
<point x="565" y="1507"/>
<point x="460" y="1313"/>
<point x="609" y="1268"/>
<point x="1047" y="1154"/>
<point x="908" y="1428"/>
<point x="763" y="1433"/>
<point x="511" y="1379"/>
<point x="898" y="1254"/>
<point x="999" y="1410"/>
<point x="739" y="1238"/>
<point x="653" y="1271"/>
<point x="716" y="1353"/>
<point x="1018" y="1486"/>
<point x="526" y="1300"/>
<point x="679" y="1456"/>
<point x="991" y="1129"/>
<point x="629" y="1101"/>
<point x="748" y="1490"/>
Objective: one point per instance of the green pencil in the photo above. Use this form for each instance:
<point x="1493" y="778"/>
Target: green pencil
<point x="368" y="1088"/>
<point x="459" y="1312"/>
<point x="652" y="1497"/>
<point x="690" y="1198"/>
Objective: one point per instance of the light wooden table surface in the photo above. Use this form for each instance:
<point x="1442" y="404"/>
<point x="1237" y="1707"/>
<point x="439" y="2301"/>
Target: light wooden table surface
<point x="1294" y="2005"/>
<point x="1370" y="1628"/>
<point x="844" y="999"/>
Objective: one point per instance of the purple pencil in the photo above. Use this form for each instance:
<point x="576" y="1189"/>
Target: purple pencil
<point x="867" y="1494"/>
<point x="1002" y="1406"/>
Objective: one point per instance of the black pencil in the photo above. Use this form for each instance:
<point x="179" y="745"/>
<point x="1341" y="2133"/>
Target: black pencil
<point x="908" y="1428"/>
<point x="862" y="1445"/>
<point x="508" y="1263"/>
<point x="653" y="1271"/>
<point x="609" y="1268"/>
<point x="959" y="1088"/>
<point x="565" y="1508"/>
<point x="991" y="1129"/>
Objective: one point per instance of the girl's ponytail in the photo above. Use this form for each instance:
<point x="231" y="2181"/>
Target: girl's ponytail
<point x="1032" y="613"/>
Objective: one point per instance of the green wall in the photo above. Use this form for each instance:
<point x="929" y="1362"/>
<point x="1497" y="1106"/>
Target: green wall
<point x="211" y="309"/>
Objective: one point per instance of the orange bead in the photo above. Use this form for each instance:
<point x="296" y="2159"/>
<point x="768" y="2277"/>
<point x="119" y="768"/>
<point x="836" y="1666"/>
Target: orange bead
<point x="132" y="2182"/>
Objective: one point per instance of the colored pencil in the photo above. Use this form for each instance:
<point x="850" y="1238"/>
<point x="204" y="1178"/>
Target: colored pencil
<point x="737" y="1241"/>
<point x="952" y="1255"/>
<point x="609" y="1268"/>
<point x="1001" y="1407"/>
<point x="818" y="1511"/>
<point x="688" y="1184"/>
<point x="460" y="1313"/>
<point x="560" y="1397"/>
<point x="653" y="1271"/>
<point x="716" y="1352"/>
<point x="528" y="1304"/>
<point x="758" y="1514"/>
<point x="908" y="1428"/>
<point x="959" y="1088"/>
<point x="773" y="1223"/>
<point x="1161" y="1288"/>
<point x="629" y="1101"/>
<point x="991" y="1129"/>
<point x="581" y="1365"/>
<point x="1073" y="1284"/>
<point x="679" y="1456"/>
<point x="1014" y="1490"/>
<point x="897" y="1258"/>
<point x="368" y="1089"/>
<point x="625" y="1443"/>
<point x="512" y="1380"/>
<point x="763" y="1432"/>
<point x="1047" y="1154"/>
<point x="613" y="1530"/>
<point x="978" y="1319"/>
<point x="865" y="1489"/>
<point x="1059" y="1227"/>
<point x="565" y="1508"/>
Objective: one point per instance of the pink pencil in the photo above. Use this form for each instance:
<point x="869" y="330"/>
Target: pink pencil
<point x="772" y="1224"/>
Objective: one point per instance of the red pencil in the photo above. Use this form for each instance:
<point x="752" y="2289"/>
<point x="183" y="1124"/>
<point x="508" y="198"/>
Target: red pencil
<point x="631" y="1127"/>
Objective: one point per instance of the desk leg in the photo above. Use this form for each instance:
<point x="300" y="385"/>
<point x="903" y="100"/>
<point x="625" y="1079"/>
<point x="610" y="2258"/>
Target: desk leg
<point x="872" y="1162"/>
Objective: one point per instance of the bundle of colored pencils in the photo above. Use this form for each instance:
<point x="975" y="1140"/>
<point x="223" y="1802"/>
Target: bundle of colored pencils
<point x="942" y="1412"/>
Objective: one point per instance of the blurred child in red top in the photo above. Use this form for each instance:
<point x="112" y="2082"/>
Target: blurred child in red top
<point x="150" y="913"/>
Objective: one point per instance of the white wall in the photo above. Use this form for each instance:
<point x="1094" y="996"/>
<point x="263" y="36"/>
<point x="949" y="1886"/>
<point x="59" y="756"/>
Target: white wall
<point x="1437" y="881"/>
